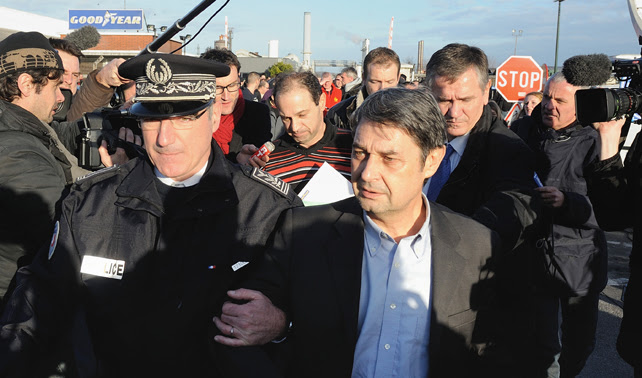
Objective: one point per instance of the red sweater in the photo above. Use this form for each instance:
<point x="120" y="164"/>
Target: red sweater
<point x="333" y="97"/>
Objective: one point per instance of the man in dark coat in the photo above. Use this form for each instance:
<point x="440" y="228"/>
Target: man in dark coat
<point x="573" y="239"/>
<point x="616" y="192"/>
<point x="243" y="121"/>
<point x="35" y="165"/>
<point x="489" y="178"/>
<point x="34" y="170"/>
<point x="144" y="253"/>
<point x="411" y="299"/>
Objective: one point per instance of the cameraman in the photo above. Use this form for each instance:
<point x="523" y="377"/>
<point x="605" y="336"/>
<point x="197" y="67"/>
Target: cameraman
<point x="616" y="192"/>
<point x="572" y="242"/>
<point x="35" y="166"/>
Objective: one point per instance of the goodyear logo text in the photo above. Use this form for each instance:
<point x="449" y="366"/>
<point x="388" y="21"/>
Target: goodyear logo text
<point x="130" y="19"/>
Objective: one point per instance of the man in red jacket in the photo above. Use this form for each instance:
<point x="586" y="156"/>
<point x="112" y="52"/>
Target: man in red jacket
<point x="332" y="93"/>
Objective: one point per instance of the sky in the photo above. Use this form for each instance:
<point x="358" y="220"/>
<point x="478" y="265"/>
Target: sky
<point x="339" y="27"/>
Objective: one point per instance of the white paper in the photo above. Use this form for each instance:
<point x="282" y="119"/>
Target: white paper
<point x="326" y="186"/>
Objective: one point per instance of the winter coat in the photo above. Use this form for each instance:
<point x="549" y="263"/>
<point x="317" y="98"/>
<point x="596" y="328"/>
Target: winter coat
<point x="136" y="271"/>
<point x="574" y="236"/>
<point x="33" y="175"/>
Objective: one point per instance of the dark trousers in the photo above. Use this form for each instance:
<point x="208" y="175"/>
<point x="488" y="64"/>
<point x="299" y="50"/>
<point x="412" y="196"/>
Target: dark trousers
<point x="574" y="341"/>
<point x="628" y="342"/>
<point x="579" y="323"/>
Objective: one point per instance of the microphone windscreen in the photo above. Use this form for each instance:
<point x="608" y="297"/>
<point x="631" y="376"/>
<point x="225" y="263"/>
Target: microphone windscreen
<point x="587" y="70"/>
<point x="85" y="37"/>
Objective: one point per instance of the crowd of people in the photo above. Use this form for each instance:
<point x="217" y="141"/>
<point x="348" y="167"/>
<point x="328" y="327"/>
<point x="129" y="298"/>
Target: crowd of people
<point x="463" y="242"/>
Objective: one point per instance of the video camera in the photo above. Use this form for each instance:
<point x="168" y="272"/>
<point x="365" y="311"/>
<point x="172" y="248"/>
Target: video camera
<point x="104" y="125"/>
<point x="605" y="104"/>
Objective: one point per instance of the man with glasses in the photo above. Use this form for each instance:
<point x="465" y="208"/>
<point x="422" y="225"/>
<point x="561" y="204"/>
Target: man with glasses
<point x="243" y="121"/>
<point x="144" y="253"/>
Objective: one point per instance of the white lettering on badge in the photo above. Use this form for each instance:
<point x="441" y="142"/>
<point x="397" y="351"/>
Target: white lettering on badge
<point x="239" y="265"/>
<point x="102" y="267"/>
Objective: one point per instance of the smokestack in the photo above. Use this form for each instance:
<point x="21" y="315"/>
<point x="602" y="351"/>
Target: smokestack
<point x="392" y="20"/>
<point x="365" y="49"/>
<point x="273" y="48"/>
<point x="226" y="32"/>
<point x="420" y="57"/>
<point x="307" y="39"/>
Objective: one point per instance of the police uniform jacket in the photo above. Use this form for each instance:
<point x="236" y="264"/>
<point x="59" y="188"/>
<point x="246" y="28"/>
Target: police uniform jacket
<point x="33" y="175"/>
<point x="135" y="277"/>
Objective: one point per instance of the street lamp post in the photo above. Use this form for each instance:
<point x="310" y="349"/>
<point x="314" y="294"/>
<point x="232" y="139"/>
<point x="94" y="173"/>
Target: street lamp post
<point x="557" y="37"/>
<point x="516" y="33"/>
<point x="152" y="29"/>
<point x="185" y="39"/>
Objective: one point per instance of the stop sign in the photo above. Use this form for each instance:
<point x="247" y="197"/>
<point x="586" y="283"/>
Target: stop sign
<point x="517" y="76"/>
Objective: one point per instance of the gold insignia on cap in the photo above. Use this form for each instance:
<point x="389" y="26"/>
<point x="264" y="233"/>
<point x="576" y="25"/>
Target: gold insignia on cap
<point x="160" y="77"/>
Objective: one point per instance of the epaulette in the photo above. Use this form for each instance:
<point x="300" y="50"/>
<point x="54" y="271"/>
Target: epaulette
<point x="100" y="172"/>
<point x="276" y="184"/>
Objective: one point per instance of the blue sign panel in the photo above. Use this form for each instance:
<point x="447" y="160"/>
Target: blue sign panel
<point x="131" y="19"/>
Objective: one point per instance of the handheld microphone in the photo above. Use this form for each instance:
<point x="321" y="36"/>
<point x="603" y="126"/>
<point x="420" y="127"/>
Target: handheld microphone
<point x="265" y="150"/>
<point x="587" y="70"/>
<point x="85" y="37"/>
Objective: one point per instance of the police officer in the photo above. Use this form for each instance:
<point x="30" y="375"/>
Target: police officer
<point x="143" y="254"/>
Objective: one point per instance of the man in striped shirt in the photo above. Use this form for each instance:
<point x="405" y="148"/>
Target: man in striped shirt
<point x="309" y="141"/>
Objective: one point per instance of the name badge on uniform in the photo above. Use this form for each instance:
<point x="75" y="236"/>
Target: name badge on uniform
<point x="102" y="267"/>
<point x="239" y="265"/>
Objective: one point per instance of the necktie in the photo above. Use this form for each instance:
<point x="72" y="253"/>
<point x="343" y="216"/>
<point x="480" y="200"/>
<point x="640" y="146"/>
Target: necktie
<point x="441" y="176"/>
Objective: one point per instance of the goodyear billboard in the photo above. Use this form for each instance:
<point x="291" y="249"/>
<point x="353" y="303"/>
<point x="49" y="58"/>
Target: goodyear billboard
<point x="130" y="19"/>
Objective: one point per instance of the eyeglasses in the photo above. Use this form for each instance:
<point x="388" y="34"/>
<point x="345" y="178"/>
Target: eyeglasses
<point x="230" y="88"/>
<point x="179" y="123"/>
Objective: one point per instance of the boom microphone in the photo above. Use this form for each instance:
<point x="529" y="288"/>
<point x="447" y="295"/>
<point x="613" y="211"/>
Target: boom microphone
<point x="587" y="70"/>
<point x="85" y="37"/>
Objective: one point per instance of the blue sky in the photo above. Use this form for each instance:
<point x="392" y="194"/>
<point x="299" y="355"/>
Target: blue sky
<point x="587" y="26"/>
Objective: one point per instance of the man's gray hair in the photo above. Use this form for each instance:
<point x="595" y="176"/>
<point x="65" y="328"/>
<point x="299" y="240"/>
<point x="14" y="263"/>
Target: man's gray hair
<point x="453" y="60"/>
<point x="351" y="72"/>
<point x="415" y="111"/>
<point x="559" y="77"/>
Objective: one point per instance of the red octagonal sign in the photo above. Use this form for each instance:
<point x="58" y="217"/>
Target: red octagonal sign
<point x="517" y="76"/>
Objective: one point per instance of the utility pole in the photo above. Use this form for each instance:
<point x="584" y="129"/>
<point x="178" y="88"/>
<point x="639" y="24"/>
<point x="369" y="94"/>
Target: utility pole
<point x="516" y="33"/>
<point x="557" y="37"/>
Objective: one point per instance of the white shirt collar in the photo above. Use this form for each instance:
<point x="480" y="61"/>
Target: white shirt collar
<point x="195" y="179"/>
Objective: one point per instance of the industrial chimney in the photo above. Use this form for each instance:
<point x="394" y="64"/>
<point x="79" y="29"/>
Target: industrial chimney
<point x="420" y="57"/>
<point x="273" y="48"/>
<point x="307" y="39"/>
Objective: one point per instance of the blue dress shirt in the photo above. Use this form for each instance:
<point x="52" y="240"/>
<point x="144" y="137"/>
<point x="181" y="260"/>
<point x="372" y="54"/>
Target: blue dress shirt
<point x="459" y="146"/>
<point x="394" y="309"/>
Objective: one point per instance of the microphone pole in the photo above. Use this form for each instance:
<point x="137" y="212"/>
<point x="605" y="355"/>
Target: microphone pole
<point x="176" y="28"/>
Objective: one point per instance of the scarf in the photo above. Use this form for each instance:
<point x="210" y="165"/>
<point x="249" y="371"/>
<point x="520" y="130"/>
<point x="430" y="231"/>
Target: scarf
<point x="223" y="135"/>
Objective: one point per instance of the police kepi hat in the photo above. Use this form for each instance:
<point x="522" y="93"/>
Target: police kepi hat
<point x="169" y="85"/>
<point x="23" y="51"/>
